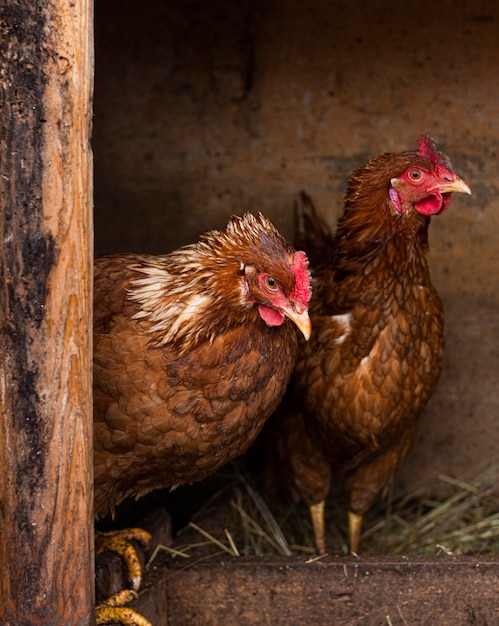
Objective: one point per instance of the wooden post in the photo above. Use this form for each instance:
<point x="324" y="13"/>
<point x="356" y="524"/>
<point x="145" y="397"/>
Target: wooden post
<point x="46" y="525"/>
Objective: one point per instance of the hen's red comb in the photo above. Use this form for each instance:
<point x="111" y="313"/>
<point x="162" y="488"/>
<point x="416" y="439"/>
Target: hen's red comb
<point x="428" y="150"/>
<point x="302" y="291"/>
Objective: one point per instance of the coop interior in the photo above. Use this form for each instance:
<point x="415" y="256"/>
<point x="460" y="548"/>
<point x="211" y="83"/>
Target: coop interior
<point x="207" y="109"/>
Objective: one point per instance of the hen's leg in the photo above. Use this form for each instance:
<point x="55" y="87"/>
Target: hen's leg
<point x="354" y="530"/>
<point x="113" y="609"/>
<point x="363" y="488"/>
<point x="317" y="515"/>
<point x="298" y="463"/>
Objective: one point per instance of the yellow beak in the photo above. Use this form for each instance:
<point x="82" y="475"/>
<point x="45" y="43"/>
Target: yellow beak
<point x="301" y="319"/>
<point x="454" y="186"/>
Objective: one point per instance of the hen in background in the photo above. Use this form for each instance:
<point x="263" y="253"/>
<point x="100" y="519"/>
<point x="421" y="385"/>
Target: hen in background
<point x="377" y="344"/>
<point x="193" y="351"/>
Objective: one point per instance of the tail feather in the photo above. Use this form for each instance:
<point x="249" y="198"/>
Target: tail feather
<point x="312" y="232"/>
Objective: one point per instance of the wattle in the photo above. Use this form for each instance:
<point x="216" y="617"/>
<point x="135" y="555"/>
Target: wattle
<point x="272" y="317"/>
<point x="434" y="205"/>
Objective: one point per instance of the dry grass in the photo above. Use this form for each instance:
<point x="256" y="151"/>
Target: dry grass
<point x="465" y="522"/>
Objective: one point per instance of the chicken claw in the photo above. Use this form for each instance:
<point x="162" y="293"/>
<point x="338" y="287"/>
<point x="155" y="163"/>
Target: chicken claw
<point x="121" y="615"/>
<point x="113" y="609"/>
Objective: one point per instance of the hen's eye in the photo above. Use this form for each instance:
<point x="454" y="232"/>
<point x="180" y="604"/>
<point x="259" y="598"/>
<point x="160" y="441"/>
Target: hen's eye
<point x="415" y="175"/>
<point x="270" y="282"/>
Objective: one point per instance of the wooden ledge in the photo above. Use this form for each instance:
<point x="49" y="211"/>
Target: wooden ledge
<point x="335" y="591"/>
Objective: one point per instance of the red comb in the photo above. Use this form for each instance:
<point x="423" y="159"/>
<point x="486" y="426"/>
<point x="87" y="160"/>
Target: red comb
<point x="428" y="150"/>
<point x="427" y="147"/>
<point x="302" y="291"/>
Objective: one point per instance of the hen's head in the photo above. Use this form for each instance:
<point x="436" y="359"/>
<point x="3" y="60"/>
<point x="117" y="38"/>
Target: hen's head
<point x="427" y="182"/>
<point x="272" y="276"/>
<point x="390" y="198"/>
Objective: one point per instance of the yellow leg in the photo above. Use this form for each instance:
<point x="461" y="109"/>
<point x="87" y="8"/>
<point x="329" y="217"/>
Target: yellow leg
<point x="317" y="515"/>
<point x="354" y="528"/>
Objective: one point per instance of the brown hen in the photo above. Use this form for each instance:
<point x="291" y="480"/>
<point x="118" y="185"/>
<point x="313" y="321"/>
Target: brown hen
<point x="377" y="345"/>
<point x="192" y="352"/>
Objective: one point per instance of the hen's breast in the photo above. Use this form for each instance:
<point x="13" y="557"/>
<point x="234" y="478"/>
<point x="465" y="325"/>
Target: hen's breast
<point x="161" y="420"/>
<point x="366" y="374"/>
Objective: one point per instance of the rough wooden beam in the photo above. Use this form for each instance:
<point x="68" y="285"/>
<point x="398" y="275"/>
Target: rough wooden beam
<point x="339" y="591"/>
<point x="46" y="539"/>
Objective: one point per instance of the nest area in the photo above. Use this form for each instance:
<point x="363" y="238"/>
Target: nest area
<point x="240" y="518"/>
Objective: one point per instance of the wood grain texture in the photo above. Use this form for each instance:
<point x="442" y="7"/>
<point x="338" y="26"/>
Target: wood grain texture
<point x="339" y="591"/>
<point x="46" y="540"/>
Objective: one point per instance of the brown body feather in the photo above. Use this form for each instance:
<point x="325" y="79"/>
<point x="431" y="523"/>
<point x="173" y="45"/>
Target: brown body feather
<point x="181" y="390"/>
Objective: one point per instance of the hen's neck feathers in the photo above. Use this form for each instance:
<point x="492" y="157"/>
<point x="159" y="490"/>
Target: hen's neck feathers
<point x="198" y="291"/>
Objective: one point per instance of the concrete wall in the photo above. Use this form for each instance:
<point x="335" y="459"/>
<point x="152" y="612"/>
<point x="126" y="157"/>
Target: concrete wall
<point x="204" y="109"/>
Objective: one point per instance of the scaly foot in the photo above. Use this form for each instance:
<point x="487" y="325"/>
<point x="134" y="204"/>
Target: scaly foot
<point x="114" y="609"/>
